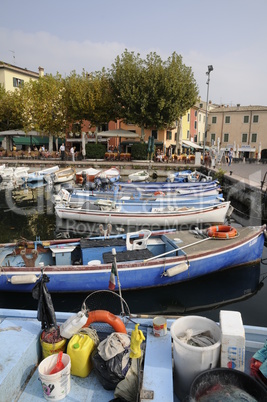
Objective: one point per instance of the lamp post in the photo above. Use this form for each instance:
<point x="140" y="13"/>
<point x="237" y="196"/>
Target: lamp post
<point x="210" y="68"/>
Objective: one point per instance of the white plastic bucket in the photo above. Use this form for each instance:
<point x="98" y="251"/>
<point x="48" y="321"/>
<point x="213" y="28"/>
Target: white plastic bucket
<point x="55" y="386"/>
<point x="191" y="360"/>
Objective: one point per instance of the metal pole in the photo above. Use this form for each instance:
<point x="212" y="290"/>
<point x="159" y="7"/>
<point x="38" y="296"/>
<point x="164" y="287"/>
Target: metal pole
<point x="210" y="68"/>
<point x="118" y="279"/>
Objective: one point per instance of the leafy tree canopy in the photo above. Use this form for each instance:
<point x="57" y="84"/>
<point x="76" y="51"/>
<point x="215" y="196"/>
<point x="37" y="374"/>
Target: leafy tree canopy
<point x="10" y="110"/>
<point x="44" y="106"/>
<point x="152" y="93"/>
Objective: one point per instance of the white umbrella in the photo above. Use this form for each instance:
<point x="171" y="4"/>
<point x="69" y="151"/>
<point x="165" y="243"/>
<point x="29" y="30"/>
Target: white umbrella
<point x="83" y="144"/>
<point x="118" y="133"/>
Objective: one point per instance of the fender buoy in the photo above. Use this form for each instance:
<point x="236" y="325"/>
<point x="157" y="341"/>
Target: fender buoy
<point x="159" y="193"/>
<point x="222" y="232"/>
<point x="109" y="318"/>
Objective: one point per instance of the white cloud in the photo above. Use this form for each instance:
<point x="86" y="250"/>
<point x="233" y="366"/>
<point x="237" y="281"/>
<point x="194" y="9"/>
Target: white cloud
<point x="238" y="76"/>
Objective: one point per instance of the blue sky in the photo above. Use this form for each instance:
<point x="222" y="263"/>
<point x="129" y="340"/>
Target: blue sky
<point x="67" y="35"/>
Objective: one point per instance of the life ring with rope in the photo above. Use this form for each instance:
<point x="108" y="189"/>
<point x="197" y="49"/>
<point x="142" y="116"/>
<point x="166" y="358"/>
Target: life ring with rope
<point x="107" y="317"/>
<point x="159" y="193"/>
<point x="222" y="232"/>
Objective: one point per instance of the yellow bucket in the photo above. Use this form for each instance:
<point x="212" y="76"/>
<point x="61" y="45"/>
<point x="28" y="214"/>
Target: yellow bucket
<point x="49" y="349"/>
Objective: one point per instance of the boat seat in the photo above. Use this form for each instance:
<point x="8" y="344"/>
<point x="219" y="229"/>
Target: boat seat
<point x="138" y="243"/>
<point x="130" y="255"/>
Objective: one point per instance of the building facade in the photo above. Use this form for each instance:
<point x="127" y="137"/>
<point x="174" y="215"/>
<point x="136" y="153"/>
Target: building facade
<point x="242" y="128"/>
<point x="13" y="77"/>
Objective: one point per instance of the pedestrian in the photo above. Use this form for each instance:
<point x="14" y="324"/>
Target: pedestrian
<point x="230" y="157"/>
<point x="206" y="160"/>
<point x="62" y="151"/>
<point x="213" y="156"/>
<point x="72" y="152"/>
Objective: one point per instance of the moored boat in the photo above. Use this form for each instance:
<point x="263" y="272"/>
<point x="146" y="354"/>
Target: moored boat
<point x="168" y="216"/>
<point x="86" y="175"/>
<point x="154" y="366"/>
<point x="113" y="174"/>
<point x="61" y="176"/>
<point x="39" y="175"/>
<point x="141" y="175"/>
<point x="77" y="197"/>
<point x="14" y="174"/>
<point x="144" y="259"/>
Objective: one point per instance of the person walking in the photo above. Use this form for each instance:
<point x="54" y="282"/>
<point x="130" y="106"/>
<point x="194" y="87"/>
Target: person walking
<point x="230" y="157"/>
<point x="72" y="152"/>
<point x="213" y="156"/>
<point x="62" y="151"/>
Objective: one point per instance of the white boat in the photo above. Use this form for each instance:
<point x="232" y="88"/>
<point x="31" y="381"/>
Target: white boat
<point x="86" y="175"/>
<point x="155" y="370"/>
<point x="103" y="212"/>
<point x="39" y="175"/>
<point x="141" y="175"/>
<point x="61" y="176"/>
<point x="14" y="174"/>
<point x="112" y="175"/>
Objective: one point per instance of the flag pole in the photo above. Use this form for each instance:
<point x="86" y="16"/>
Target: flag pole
<point x="117" y="274"/>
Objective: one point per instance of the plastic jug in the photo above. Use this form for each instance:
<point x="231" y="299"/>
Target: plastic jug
<point x="73" y="325"/>
<point x="79" y="349"/>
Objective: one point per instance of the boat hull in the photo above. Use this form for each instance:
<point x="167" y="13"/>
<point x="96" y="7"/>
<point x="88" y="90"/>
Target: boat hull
<point x="181" y="216"/>
<point x="196" y="258"/>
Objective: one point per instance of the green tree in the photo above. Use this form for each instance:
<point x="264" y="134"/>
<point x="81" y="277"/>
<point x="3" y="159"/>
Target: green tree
<point x="89" y="97"/>
<point x="10" y="110"/>
<point x="152" y="93"/>
<point x="44" y="108"/>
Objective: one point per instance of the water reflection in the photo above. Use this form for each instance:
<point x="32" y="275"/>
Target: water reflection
<point x="196" y="296"/>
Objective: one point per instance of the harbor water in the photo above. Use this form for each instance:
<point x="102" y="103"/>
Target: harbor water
<point x="28" y="212"/>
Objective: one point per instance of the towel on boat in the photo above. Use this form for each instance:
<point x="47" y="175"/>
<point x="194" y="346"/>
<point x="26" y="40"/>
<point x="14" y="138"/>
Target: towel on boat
<point x="200" y="338"/>
<point x="114" y="344"/>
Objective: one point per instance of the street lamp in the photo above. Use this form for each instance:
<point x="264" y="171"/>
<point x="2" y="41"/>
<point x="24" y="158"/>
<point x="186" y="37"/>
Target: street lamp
<point x="210" y="68"/>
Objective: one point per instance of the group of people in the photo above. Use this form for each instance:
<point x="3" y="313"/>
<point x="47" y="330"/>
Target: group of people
<point x="62" y="150"/>
<point x="159" y="155"/>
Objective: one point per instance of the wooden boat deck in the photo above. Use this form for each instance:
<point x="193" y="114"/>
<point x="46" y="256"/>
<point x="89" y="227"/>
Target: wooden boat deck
<point x="192" y="244"/>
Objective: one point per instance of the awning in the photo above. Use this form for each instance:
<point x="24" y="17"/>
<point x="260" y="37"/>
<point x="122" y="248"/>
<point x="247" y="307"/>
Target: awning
<point x="246" y="149"/>
<point x="30" y="140"/>
<point x="117" y="133"/>
<point x="191" y="144"/>
<point x="17" y="132"/>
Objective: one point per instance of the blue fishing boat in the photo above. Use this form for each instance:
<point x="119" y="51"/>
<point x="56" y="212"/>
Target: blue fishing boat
<point x="26" y="374"/>
<point x="77" y="197"/>
<point x="39" y="175"/>
<point x="144" y="259"/>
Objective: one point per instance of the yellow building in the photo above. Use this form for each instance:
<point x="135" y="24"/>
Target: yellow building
<point x="12" y="77"/>
<point x="242" y="128"/>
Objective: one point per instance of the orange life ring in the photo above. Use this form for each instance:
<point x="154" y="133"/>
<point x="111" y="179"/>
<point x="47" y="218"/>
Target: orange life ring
<point x="109" y="318"/>
<point x="222" y="232"/>
<point x="159" y="193"/>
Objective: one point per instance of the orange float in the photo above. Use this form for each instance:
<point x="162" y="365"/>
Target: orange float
<point x="105" y="316"/>
<point x="222" y="232"/>
<point x="159" y="193"/>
